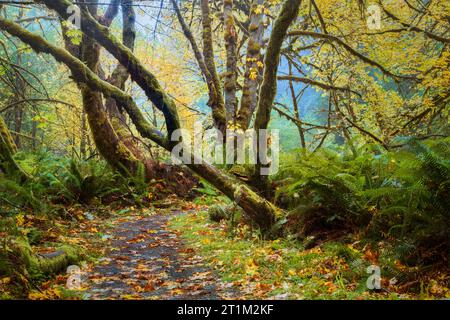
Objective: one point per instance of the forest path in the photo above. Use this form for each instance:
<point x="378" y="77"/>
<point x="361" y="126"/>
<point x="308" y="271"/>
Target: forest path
<point x="146" y="260"/>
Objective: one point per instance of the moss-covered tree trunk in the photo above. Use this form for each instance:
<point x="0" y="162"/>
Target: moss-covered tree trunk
<point x="230" y="37"/>
<point x="288" y="14"/>
<point x="106" y="139"/>
<point x="253" y="67"/>
<point x="118" y="78"/>
<point x="268" y="91"/>
<point x="261" y="211"/>
<point x="7" y="150"/>
<point x="219" y="113"/>
<point x="142" y="76"/>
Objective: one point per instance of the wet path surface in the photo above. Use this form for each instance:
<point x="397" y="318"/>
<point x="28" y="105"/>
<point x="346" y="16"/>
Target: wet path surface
<point x="148" y="261"/>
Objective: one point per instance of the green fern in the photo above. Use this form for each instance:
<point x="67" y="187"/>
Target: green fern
<point x="401" y="194"/>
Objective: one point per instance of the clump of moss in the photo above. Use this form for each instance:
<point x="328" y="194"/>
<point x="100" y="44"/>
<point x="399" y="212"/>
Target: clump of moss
<point x="24" y="269"/>
<point x="218" y="213"/>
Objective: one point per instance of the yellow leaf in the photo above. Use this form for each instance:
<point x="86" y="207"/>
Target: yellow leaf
<point x="5" y="280"/>
<point x="253" y="74"/>
<point x="20" y="220"/>
<point x="251" y="268"/>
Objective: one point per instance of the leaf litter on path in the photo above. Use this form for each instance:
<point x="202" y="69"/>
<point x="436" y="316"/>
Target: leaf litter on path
<point x="147" y="260"/>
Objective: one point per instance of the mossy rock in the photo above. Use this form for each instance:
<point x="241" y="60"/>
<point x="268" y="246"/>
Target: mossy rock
<point x="218" y="213"/>
<point x="19" y="263"/>
<point x="46" y="264"/>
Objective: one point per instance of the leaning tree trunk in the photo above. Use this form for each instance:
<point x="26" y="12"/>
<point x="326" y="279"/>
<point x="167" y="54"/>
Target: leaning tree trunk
<point x="268" y="90"/>
<point x="7" y="149"/>
<point x="107" y="141"/>
<point x="118" y="78"/>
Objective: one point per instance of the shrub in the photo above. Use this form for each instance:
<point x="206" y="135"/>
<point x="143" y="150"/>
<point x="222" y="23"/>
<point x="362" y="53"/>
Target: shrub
<point x="401" y="196"/>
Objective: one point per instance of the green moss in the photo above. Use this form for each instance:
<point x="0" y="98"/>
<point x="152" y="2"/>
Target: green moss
<point x="45" y="265"/>
<point x="284" y="266"/>
<point x="4" y="132"/>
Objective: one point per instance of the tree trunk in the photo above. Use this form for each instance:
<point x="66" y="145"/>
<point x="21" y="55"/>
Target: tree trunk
<point x="296" y="109"/>
<point x="118" y="78"/>
<point x="268" y="90"/>
<point x="106" y="139"/>
<point x="143" y="77"/>
<point x="230" y="36"/>
<point x="216" y="102"/>
<point x="83" y="139"/>
<point x="253" y="69"/>
<point x="7" y="149"/>
<point x="18" y="117"/>
<point x="34" y="131"/>
<point x="287" y="16"/>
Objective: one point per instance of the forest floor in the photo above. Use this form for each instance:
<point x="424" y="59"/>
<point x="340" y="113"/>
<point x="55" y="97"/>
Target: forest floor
<point x="178" y="253"/>
<point x="146" y="260"/>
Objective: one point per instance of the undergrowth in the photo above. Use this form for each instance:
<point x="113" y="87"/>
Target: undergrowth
<point x="36" y="214"/>
<point x="401" y="197"/>
<point x="285" y="269"/>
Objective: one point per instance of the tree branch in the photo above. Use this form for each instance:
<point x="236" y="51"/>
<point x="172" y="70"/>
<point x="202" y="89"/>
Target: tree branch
<point x="351" y="51"/>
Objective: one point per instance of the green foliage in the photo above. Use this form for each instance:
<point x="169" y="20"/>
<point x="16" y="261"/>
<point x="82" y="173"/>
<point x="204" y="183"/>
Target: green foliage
<point x="209" y="195"/>
<point x="73" y="34"/>
<point x="134" y="186"/>
<point x="16" y="195"/>
<point x="57" y="180"/>
<point x="280" y="269"/>
<point x="412" y="205"/>
<point x="19" y="263"/>
<point x="319" y="190"/>
<point x="218" y="213"/>
<point x="399" y="195"/>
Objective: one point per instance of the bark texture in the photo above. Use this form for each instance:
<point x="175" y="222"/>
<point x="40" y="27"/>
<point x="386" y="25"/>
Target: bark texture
<point x="268" y="91"/>
<point x="287" y="16"/>
<point x="216" y="101"/>
<point x="143" y="77"/>
<point x="253" y="69"/>
<point x="230" y="36"/>
<point x="107" y="141"/>
<point x="7" y="150"/>
<point x="118" y="79"/>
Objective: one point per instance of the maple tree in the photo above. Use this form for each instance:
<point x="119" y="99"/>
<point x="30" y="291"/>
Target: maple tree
<point x="359" y="89"/>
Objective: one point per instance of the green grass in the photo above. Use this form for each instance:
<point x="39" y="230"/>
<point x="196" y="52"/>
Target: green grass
<point x="278" y="269"/>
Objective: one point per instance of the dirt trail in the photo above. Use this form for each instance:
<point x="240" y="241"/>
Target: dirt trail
<point x="148" y="261"/>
